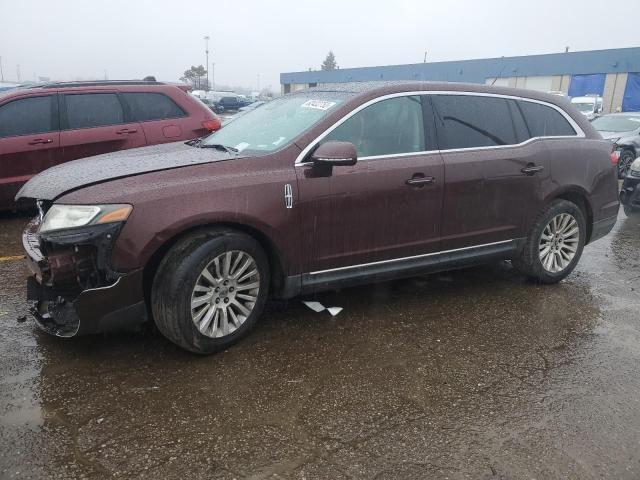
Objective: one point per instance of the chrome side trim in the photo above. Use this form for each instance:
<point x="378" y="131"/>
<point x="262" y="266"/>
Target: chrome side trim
<point x="381" y="262"/>
<point x="579" y="132"/>
<point x="106" y="287"/>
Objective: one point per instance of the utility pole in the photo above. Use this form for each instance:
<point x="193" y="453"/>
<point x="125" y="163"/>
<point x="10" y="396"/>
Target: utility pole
<point x="18" y="72"/>
<point x="1" y="74"/>
<point x="425" y="57"/>
<point x="258" y="82"/>
<point x="206" y="49"/>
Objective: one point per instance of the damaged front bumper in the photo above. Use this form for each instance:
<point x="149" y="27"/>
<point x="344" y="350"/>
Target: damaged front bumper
<point x="630" y="193"/>
<point x="73" y="289"/>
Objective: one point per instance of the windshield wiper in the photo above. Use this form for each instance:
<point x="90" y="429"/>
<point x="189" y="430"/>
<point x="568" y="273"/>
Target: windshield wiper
<point x="219" y="146"/>
<point x="194" y="143"/>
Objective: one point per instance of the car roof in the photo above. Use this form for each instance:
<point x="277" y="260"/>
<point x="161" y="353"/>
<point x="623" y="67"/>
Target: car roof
<point x="101" y="84"/>
<point x="375" y="89"/>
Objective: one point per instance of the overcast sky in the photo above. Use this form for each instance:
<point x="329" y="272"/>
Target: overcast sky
<point x="71" y="39"/>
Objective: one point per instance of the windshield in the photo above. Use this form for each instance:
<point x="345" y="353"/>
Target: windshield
<point x="615" y="123"/>
<point x="584" y="107"/>
<point x="276" y="123"/>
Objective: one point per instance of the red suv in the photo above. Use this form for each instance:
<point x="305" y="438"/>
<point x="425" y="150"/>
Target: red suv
<point x="45" y="125"/>
<point x="316" y="190"/>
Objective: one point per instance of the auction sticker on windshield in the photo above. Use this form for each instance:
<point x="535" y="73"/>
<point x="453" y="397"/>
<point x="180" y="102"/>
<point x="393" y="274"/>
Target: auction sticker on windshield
<point x="318" y="104"/>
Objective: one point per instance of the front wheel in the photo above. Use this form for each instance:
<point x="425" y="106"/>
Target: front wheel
<point x="210" y="289"/>
<point x="554" y="243"/>
<point x="631" y="212"/>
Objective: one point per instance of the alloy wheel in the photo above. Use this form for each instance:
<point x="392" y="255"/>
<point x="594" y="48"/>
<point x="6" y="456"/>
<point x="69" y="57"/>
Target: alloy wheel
<point x="624" y="163"/>
<point x="225" y="293"/>
<point x="559" y="242"/>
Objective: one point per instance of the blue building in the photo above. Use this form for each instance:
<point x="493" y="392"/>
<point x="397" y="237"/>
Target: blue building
<point x="614" y="74"/>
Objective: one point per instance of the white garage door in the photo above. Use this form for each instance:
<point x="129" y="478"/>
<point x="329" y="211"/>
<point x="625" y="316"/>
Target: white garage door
<point x="542" y="84"/>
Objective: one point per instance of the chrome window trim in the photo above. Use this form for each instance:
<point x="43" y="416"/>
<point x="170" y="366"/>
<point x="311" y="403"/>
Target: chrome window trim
<point x="381" y="262"/>
<point x="579" y="132"/>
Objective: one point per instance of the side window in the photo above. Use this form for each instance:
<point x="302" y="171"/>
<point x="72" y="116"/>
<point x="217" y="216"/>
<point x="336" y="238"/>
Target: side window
<point x="522" y="130"/>
<point x="384" y="128"/>
<point x="151" y="106"/>
<point x="88" y="110"/>
<point x="28" y="116"/>
<point x="468" y="121"/>
<point x="544" y="121"/>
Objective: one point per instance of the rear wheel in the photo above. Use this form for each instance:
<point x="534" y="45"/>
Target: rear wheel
<point x="210" y="289"/>
<point x="554" y="244"/>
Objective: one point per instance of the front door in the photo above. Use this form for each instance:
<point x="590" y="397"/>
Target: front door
<point x="388" y="205"/>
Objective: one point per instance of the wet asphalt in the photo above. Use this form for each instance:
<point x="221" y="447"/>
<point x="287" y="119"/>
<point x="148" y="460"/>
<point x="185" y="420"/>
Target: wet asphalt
<point x="471" y="374"/>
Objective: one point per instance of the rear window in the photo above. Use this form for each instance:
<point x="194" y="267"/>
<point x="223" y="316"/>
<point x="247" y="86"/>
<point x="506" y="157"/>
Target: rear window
<point x="151" y="106"/>
<point x="27" y="116"/>
<point x="544" y="121"/>
<point x="93" y="110"/>
<point x="468" y="121"/>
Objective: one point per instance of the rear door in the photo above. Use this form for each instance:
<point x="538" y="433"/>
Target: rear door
<point x="494" y="176"/>
<point x="94" y="123"/>
<point x="161" y="118"/>
<point x="29" y="141"/>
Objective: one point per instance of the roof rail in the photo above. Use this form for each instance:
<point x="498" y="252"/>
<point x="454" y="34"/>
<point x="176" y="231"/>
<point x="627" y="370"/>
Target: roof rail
<point x="92" y="83"/>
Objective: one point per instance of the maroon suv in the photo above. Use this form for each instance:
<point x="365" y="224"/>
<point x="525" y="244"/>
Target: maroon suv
<point x="49" y="124"/>
<point x="318" y="189"/>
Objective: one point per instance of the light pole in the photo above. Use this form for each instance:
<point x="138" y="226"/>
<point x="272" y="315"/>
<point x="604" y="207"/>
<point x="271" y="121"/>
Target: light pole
<point x="213" y="75"/>
<point x="206" y="49"/>
<point x="1" y="74"/>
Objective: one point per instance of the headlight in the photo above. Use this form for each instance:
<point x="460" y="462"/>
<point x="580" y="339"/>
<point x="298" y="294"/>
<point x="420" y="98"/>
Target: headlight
<point x="69" y="216"/>
<point x="635" y="166"/>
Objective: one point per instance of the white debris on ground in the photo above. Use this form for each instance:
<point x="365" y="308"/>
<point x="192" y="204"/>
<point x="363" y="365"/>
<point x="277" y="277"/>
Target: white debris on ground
<point x="318" y="307"/>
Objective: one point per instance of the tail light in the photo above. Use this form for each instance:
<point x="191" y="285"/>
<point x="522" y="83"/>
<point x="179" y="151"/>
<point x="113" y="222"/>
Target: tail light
<point x="212" y="125"/>
<point x="615" y="156"/>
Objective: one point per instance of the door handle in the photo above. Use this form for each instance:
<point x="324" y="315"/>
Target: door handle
<point x="532" y="169"/>
<point x="41" y="141"/>
<point x="125" y="131"/>
<point x="419" y="180"/>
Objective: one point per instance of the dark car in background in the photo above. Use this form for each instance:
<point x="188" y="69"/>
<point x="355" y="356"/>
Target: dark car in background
<point x="231" y="103"/>
<point x="316" y="190"/>
<point x="45" y="125"/>
<point x="623" y="130"/>
<point x="630" y="193"/>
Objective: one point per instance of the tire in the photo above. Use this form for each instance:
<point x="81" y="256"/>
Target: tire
<point x="181" y="279"/>
<point x="529" y="261"/>
<point x="624" y="162"/>
<point x="631" y="212"/>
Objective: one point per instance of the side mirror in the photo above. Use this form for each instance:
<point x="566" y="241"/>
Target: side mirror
<point x="335" y="154"/>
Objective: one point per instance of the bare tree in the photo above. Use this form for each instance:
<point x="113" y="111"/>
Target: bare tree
<point x="196" y="77"/>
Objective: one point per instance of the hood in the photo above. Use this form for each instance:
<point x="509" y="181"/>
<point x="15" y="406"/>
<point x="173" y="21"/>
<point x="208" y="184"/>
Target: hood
<point x="57" y="180"/>
<point x="610" y="135"/>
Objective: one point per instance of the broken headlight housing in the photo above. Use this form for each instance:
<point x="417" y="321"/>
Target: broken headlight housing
<point x="62" y="217"/>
